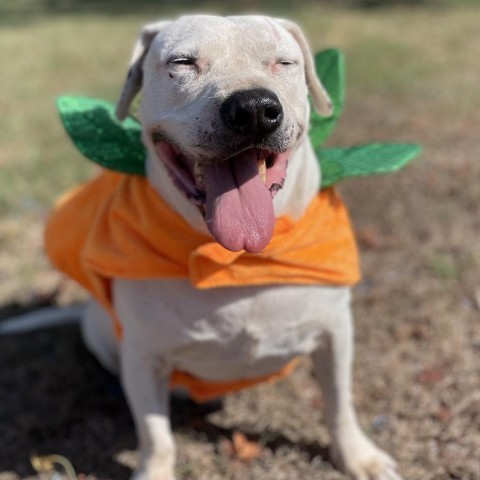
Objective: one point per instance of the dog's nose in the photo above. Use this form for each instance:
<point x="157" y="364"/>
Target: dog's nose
<point x="256" y="112"/>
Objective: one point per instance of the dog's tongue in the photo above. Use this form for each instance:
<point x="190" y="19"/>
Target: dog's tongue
<point x="239" y="208"/>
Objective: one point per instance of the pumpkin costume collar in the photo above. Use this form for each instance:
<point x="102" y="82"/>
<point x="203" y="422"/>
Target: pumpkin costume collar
<point x="109" y="228"/>
<point x="117" y="146"/>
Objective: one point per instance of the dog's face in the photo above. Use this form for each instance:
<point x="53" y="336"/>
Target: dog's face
<point x="224" y="102"/>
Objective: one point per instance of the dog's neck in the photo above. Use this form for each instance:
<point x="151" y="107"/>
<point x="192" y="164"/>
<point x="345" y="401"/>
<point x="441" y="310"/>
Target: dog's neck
<point x="301" y="184"/>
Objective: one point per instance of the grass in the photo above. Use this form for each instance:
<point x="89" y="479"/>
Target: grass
<point x="443" y="265"/>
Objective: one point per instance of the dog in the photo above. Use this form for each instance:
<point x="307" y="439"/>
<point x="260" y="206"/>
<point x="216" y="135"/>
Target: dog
<point x="224" y="112"/>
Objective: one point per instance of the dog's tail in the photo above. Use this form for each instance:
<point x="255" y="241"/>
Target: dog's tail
<point x="42" y="318"/>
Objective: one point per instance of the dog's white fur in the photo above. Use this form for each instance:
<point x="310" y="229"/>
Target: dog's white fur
<point x="227" y="333"/>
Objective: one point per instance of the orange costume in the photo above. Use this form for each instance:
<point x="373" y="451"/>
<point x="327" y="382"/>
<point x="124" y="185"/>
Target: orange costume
<point x="117" y="226"/>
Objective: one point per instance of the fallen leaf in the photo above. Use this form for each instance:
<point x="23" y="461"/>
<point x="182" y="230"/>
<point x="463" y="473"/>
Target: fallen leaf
<point x="369" y="237"/>
<point x="429" y="375"/>
<point x="443" y="413"/>
<point x="244" y="449"/>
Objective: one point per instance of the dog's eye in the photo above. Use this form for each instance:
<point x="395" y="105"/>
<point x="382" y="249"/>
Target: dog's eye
<point x="183" y="61"/>
<point x="285" y="62"/>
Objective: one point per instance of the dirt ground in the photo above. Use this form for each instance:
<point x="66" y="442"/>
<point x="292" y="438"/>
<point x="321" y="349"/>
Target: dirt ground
<point x="417" y="309"/>
<point x="416" y="377"/>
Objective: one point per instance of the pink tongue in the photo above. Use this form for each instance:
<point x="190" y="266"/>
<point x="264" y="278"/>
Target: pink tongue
<point x="239" y="207"/>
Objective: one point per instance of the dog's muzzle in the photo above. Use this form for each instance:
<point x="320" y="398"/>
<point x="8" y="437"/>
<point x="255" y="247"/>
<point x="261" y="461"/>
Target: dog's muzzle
<point x="235" y="192"/>
<point x="254" y="113"/>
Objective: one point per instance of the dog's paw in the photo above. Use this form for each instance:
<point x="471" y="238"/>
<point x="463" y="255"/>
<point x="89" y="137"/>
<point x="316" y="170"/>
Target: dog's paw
<point x="362" y="460"/>
<point x="149" y="474"/>
<point x="154" y="470"/>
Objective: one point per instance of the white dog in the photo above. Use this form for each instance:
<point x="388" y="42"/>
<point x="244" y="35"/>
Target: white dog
<point x="224" y="106"/>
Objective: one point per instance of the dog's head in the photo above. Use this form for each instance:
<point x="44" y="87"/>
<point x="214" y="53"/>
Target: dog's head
<point x="224" y="102"/>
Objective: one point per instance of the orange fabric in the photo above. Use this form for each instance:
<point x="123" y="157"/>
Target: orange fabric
<point x="117" y="226"/>
<point x="202" y="390"/>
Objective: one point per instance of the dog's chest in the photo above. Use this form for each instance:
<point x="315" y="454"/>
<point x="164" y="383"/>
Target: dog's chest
<point x="226" y="333"/>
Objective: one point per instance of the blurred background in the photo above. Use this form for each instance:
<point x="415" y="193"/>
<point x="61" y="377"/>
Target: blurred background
<point x="413" y="75"/>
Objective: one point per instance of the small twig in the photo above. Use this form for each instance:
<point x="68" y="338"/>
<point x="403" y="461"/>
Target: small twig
<point x="476" y="297"/>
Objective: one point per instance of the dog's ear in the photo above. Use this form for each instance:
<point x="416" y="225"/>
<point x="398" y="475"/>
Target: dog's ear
<point x="320" y="99"/>
<point x="133" y="82"/>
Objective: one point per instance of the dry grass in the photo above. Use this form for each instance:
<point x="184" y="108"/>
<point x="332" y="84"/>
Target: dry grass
<point x="412" y="75"/>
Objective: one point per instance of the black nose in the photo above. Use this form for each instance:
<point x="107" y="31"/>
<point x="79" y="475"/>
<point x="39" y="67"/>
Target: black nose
<point x="256" y="112"/>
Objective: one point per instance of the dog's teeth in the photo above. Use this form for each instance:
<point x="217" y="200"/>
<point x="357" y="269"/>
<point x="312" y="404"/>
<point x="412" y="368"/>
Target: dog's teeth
<point x="198" y="174"/>
<point x="262" y="169"/>
<point x="198" y="169"/>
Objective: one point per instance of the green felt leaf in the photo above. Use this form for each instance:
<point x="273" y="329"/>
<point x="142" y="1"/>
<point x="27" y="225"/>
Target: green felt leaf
<point x="97" y="133"/>
<point x="374" y="158"/>
<point x="330" y="68"/>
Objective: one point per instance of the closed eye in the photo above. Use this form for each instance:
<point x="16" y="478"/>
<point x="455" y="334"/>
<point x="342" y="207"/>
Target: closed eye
<point x="186" y="60"/>
<point x="286" y="62"/>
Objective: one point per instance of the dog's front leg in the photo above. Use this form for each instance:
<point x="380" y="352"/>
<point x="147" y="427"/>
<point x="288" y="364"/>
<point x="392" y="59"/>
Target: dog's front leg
<point x="351" y="449"/>
<point x="148" y="395"/>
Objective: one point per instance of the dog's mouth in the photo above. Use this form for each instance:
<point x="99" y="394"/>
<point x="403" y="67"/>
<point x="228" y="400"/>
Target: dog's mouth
<point x="234" y="194"/>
